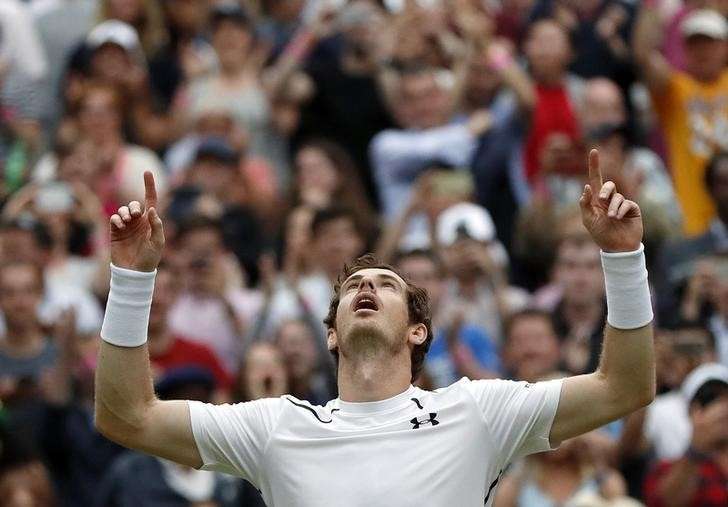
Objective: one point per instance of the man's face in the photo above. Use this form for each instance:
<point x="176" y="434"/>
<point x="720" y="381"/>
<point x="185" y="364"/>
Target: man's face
<point x="20" y="294"/>
<point x="337" y="242"/>
<point x="705" y="57"/>
<point x="579" y="271"/>
<point x="110" y="63"/>
<point x="201" y="250"/>
<point x="99" y="116"/>
<point x="213" y="176"/>
<point x="423" y="272"/>
<point x="231" y="41"/>
<point x="372" y="314"/>
<point x="422" y="103"/>
<point x="603" y="104"/>
<point x="296" y="343"/>
<point x="548" y="50"/>
<point x="532" y="350"/>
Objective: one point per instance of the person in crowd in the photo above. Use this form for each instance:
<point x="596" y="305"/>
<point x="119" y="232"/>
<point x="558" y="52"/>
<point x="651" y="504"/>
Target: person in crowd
<point x="145" y="16"/>
<point x="99" y="118"/>
<point x="478" y="287"/>
<point x="214" y="307"/>
<point x="531" y="349"/>
<point x="324" y="175"/>
<point x="698" y="475"/>
<point x="263" y="373"/>
<point x="24" y="480"/>
<point x="692" y="105"/>
<point x="168" y="350"/>
<point x="578" y="302"/>
<point x="686" y="270"/>
<point x="308" y="378"/>
<point x="459" y="348"/>
<point x="552" y="144"/>
<point x="26" y="351"/>
<point x="27" y="240"/>
<point x="215" y="187"/>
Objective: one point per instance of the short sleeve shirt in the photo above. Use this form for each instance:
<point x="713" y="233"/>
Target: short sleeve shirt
<point x="444" y="447"/>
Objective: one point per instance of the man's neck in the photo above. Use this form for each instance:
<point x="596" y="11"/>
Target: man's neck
<point x="372" y="379"/>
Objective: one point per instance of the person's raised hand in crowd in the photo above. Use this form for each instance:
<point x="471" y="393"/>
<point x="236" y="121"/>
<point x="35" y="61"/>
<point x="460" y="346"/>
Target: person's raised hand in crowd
<point x="137" y="234"/>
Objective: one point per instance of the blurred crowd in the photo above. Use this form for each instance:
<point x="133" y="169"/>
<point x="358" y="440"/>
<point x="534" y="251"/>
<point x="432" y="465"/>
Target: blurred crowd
<point x="288" y="137"/>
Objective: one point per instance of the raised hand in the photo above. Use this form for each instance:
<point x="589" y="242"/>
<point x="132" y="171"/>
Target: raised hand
<point x="137" y="236"/>
<point x="615" y="223"/>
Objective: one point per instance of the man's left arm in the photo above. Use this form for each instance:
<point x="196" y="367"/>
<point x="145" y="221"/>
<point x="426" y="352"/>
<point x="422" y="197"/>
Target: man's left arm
<point x="625" y="378"/>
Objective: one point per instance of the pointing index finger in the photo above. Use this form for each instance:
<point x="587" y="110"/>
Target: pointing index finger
<point x="150" y="191"/>
<point x="595" y="173"/>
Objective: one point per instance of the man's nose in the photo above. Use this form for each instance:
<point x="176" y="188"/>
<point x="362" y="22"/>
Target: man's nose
<point x="366" y="284"/>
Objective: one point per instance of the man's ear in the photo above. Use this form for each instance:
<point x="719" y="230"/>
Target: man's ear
<point x="417" y="334"/>
<point x="332" y="341"/>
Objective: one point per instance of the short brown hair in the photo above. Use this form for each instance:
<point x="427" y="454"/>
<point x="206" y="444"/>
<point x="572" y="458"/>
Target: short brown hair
<point x="418" y="307"/>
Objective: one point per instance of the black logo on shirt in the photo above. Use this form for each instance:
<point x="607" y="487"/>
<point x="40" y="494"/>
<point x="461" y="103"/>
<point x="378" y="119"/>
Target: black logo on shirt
<point x="416" y="423"/>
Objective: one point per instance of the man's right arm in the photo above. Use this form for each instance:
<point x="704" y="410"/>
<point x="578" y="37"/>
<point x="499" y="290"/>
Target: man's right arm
<point x="126" y="408"/>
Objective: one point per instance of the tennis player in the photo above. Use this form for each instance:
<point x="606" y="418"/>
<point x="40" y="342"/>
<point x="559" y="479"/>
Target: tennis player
<point x="382" y="442"/>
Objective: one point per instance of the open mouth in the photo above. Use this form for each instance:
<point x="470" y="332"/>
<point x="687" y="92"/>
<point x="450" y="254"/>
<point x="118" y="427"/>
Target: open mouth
<point x="365" y="302"/>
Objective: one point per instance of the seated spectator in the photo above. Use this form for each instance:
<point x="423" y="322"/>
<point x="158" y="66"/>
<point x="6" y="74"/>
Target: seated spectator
<point x="214" y="307"/>
<point x="685" y="275"/>
<point x="698" y="476"/>
<point x="215" y="187"/>
<point x="478" y="287"/>
<point x="308" y="378"/>
<point x="693" y="133"/>
<point x="262" y="374"/>
<point x="531" y="348"/>
<point x="24" y="480"/>
<point x="574" y="474"/>
<point x="167" y="350"/>
<point x="27" y="240"/>
<point x="26" y="351"/>
<point x="459" y="348"/>
<point x="577" y="303"/>
<point x="99" y="119"/>
<point x="552" y="146"/>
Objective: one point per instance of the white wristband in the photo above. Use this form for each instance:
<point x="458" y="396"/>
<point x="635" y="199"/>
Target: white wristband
<point x="127" y="309"/>
<point x="628" y="294"/>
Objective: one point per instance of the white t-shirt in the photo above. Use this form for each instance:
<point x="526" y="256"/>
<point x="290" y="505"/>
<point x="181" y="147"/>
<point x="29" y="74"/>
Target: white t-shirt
<point x="446" y="447"/>
<point x="667" y="425"/>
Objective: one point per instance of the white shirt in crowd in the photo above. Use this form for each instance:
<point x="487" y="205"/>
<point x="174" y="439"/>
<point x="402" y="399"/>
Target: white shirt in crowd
<point x="444" y="447"/>
<point x="667" y="425"/>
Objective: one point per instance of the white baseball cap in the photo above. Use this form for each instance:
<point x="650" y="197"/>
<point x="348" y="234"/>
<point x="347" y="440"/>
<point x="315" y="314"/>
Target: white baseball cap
<point x="705" y="22"/>
<point x="465" y="219"/>
<point x="700" y="375"/>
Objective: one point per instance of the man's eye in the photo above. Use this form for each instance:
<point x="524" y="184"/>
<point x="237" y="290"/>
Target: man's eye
<point x="389" y="285"/>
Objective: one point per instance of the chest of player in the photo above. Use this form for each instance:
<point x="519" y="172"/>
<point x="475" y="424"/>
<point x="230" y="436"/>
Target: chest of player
<point x="421" y="454"/>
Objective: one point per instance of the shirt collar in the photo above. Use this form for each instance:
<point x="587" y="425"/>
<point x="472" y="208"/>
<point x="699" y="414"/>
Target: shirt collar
<point x="373" y="407"/>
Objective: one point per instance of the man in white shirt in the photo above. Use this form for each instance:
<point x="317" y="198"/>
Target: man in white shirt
<point x="383" y="441"/>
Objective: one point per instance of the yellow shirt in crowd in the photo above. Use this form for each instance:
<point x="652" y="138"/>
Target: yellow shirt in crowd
<point x="694" y="116"/>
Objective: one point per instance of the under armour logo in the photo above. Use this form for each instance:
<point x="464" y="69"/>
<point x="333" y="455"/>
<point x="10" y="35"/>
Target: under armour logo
<point x="416" y="423"/>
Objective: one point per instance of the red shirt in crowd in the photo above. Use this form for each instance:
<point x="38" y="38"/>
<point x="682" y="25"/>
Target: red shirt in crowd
<point x="552" y="114"/>
<point x="184" y="353"/>
<point x="712" y="490"/>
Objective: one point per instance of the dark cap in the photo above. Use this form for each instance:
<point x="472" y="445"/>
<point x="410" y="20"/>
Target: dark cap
<point x="183" y="377"/>
<point x="229" y="12"/>
<point x="217" y="148"/>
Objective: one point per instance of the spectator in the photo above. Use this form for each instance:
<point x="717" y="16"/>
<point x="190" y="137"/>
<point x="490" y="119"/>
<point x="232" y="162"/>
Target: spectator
<point x="26" y="350"/>
<point x="478" y="288"/>
<point x="531" y="348"/>
<point x="693" y="134"/>
<point x="698" y="477"/>
<point x="214" y="308"/>
<point x="685" y="273"/>
<point x="263" y="373"/>
<point x="459" y="348"/>
<point x="168" y="351"/>
<point x="24" y="480"/>
<point x="310" y="376"/>
<point x="578" y="307"/>
<point x="145" y="16"/>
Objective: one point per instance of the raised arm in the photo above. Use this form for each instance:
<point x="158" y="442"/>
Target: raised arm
<point x="126" y="408"/>
<point x="625" y="378"/>
<point x="654" y="68"/>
